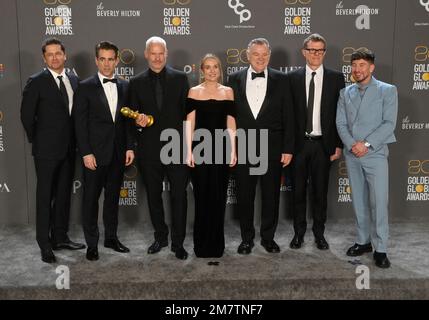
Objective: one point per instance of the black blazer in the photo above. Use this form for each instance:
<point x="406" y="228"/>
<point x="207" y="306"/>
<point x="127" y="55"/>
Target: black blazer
<point x="171" y="115"/>
<point x="46" y="118"/>
<point x="275" y="115"/>
<point x="96" y="132"/>
<point x="333" y="82"/>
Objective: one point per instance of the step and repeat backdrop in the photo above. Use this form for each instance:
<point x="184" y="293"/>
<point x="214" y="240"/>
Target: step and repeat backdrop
<point x="396" y="30"/>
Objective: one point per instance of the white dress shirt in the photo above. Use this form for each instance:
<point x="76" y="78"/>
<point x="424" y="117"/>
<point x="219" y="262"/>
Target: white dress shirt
<point x="67" y="84"/>
<point x="111" y="92"/>
<point x="256" y="90"/>
<point x="318" y="85"/>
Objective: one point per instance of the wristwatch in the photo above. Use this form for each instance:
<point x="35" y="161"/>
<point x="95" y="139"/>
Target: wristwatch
<point x="367" y="144"/>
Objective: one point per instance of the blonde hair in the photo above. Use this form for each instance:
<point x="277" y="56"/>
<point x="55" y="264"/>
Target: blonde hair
<point x="219" y="64"/>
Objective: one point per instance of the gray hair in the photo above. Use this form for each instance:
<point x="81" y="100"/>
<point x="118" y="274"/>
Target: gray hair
<point x="259" y="41"/>
<point x="315" y="37"/>
<point x="157" y="40"/>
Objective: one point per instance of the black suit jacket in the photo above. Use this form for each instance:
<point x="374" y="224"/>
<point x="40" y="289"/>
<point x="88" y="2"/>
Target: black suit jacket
<point x="96" y="133"/>
<point x="46" y="118"/>
<point x="274" y="115"/>
<point x="172" y="113"/>
<point x="333" y="82"/>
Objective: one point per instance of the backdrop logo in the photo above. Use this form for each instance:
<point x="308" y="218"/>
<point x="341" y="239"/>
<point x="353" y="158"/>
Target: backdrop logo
<point x="425" y="4"/>
<point x="128" y="192"/>
<point x="363" y="13"/>
<point x="177" y="18"/>
<point x="192" y="71"/>
<point x="125" y="69"/>
<point x="297" y="19"/>
<point x="347" y="68"/>
<point x="58" y="20"/>
<point x="285" y="183"/>
<point x="421" y="68"/>
<point x="231" y="193"/>
<point x="1" y="139"/>
<point x="244" y="14"/>
<point x="4" y="188"/>
<point x="1" y="133"/>
<point x="1" y="70"/>
<point x="344" y="189"/>
<point x="418" y="180"/>
<point x="287" y="69"/>
<point x="408" y="125"/>
<point x="101" y="12"/>
<point x="236" y="59"/>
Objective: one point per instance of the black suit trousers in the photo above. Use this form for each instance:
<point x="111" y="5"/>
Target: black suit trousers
<point x="110" y="178"/>
<point x="270" y="193"/>
<point x="153" y="178"/>
<point x="54" y="183"/>
<point x="310" y="168"/>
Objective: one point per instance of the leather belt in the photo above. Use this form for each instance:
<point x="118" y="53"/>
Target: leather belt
<point x="313" y="138"/>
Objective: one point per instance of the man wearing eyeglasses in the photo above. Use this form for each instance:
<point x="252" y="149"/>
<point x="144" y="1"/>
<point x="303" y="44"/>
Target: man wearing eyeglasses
<point x="313" y="93"/>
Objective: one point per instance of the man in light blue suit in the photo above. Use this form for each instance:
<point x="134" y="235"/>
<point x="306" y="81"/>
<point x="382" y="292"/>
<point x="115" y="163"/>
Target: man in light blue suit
<point x="366" y="119"/>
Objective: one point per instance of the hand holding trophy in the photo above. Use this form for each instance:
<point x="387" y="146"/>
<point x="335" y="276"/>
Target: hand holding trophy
<point x="142" y="119"/>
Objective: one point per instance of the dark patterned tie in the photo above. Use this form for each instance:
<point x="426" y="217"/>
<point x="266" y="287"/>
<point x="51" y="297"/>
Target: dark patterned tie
<point x="63" y="91"/>
<point x="310" y="104"/>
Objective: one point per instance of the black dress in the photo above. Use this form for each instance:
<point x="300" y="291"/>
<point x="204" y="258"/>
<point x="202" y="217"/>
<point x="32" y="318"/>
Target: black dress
<point x="210" y="180"/>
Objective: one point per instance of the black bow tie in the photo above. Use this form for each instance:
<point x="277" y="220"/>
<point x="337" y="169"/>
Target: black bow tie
<point x="110" y="80"/>
<point x="256" y="75"/>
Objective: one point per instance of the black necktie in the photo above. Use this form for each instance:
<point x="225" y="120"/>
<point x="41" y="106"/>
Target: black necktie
<point x="310" y="105"/>
<point x="158" y="91"/>
<point x="257" y="75"/>
<point x="110" y="80"/>
<point x="63" y="91"/>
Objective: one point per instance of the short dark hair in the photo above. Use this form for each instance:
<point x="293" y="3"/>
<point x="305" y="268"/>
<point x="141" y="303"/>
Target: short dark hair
<point x="50" y="41"/>
<point x="106" y="45"/>
<point x="315" y="37"/>
<point x="366" y="55"/>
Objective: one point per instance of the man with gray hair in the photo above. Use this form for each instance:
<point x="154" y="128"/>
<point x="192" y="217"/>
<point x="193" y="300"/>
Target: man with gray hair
<point x="161" y="91"/>
<point x="261" y="106"/>
<point x="313" y="93"/>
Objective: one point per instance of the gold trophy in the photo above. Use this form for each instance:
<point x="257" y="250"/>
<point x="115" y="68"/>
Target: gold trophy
<point x="127" y="112"/>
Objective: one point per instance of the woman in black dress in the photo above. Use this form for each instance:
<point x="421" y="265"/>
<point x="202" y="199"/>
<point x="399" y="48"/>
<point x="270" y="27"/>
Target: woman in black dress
<point x="210" y="109"/>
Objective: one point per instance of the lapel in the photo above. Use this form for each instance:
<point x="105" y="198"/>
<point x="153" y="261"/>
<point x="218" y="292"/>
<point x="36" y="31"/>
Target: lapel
<point x="120" y="103"/>
<point x="302" y="87"/>
<point x="268" y="93"/>
<point x="53" y="87"/>
<point x="102" y="97"/>
<point x="242" y="91"/>
<point x="324" y="97"/>
<point x="148" y="94"/>
<point x="73" y="80"/>
<point x="355" y="100"/>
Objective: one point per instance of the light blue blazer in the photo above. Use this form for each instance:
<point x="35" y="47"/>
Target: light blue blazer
<point x="372" y="118"/>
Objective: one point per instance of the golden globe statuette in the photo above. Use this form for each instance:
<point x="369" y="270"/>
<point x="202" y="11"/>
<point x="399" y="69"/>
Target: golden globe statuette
<point x="127" y="112"/>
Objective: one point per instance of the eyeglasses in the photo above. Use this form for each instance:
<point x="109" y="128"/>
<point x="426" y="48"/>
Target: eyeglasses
<point x="314" y="51"/>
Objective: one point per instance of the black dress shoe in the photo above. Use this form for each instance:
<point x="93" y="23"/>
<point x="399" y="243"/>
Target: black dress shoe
<point x="359" y="249"/>
<point x="92" y="254"/>
<point x="48" y="256"/>
<point x="116" y="245"/>
<point x="245" y="247"/>
<point x="270" y="245"/>
<point x="296" y="242"/>
<point x="321" y="243"/>
<point x="157" y="246"/>
<point x="180" y="253"/>
<point x="69" y="245"/>
<point x="381" y="260"/>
